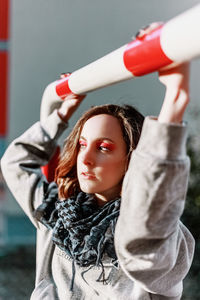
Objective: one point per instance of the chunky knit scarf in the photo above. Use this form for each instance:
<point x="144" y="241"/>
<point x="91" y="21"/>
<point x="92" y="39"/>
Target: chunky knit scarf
<point x="80" y="227"/>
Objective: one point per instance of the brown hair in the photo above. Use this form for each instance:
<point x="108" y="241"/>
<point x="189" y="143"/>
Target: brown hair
<point x="131" y="124"/>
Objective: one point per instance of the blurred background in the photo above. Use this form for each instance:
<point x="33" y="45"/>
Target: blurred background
<point x="39" y="40"/>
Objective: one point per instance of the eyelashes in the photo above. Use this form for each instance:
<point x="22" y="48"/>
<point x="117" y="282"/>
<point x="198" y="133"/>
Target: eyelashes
<point x="82" y="143"/>
<point x="106" y="146"/>
<point x="99" y="145"/>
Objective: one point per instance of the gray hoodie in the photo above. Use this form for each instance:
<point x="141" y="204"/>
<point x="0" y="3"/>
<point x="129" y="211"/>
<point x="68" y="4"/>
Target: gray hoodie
<point x="153" y="247"/>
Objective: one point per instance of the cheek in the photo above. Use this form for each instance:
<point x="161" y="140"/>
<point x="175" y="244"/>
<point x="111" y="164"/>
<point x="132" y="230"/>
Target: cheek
<point x="78" y="161"/>
<point x="114" y="167"/>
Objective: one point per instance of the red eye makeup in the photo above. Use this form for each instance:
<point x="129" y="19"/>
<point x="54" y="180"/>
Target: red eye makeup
<point x="99" y="144"/>
<point x="106" y="145"/>
<point x="82" y="143"/>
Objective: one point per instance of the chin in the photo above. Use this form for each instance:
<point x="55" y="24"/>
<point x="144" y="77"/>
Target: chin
<point x="88" y="189"/>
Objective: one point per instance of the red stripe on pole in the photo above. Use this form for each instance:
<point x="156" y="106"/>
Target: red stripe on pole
<point x="62" y="88"/>
<point x="145" y="55"/>
<point x="4" y="19"/>
<point x="4" y="56"/>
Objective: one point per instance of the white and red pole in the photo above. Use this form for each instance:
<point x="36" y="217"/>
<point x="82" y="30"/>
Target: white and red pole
<point x="174" y="42"/>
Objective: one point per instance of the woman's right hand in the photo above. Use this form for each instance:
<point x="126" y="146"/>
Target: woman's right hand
<point x="69" y="105"/>
<point x="176" y="81"/>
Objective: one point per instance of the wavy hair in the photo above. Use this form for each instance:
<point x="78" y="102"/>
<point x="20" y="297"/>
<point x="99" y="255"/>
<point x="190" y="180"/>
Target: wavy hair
<point x="131" y="122"/>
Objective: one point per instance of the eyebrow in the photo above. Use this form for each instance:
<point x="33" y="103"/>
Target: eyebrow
<point x="100" y="139"/>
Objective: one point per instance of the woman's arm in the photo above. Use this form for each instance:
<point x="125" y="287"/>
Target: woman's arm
<point x="154" y="248"/>
<point x="22" y="161"/>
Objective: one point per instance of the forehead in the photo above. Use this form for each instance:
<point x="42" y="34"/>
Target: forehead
<point x="102" y="125"/>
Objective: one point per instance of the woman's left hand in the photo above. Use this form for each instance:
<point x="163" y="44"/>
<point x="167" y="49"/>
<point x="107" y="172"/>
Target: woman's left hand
<point x="176" y="81"/>
<point x="176" y="99"/>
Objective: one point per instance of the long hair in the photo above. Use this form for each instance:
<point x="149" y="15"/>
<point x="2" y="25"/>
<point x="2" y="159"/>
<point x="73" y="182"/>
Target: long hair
<point x="131" y="122"/>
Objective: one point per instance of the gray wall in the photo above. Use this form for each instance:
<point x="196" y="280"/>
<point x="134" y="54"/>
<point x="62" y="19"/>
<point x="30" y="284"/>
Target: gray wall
<point x="53" y="36"/>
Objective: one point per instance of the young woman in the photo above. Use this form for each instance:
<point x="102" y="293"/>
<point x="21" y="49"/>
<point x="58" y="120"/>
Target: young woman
<point x="109" y="228"/>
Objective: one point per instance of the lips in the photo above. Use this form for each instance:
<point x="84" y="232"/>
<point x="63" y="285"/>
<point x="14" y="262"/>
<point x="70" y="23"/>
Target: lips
<point x="88" y="175"/>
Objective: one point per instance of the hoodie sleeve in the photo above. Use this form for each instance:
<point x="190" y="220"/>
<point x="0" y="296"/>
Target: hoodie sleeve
<point x="22" y="161"/>
<point x="153" y="247"/>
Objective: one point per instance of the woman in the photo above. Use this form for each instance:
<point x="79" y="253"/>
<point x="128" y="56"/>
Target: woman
<point x="86" y="249"/>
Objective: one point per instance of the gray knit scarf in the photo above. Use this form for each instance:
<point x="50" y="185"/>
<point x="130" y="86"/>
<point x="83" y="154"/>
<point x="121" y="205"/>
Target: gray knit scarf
<point x="80" y="227"/>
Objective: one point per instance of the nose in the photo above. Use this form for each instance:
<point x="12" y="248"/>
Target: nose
<point x="88" y="157"/>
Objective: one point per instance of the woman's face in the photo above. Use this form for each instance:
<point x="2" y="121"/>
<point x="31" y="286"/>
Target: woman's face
<point x="102" y="158"/>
